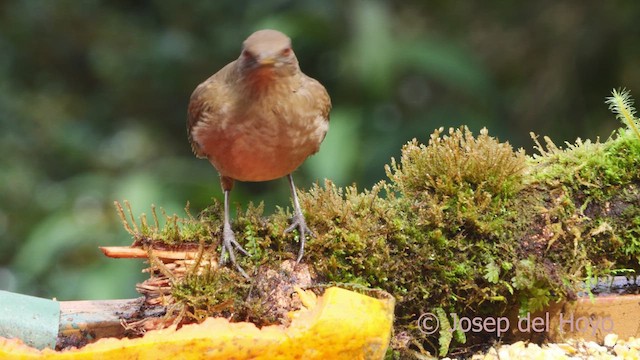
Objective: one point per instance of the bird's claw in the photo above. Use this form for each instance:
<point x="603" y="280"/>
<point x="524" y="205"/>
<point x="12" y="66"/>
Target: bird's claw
<point x="228" y="244"/>
<point x="299" y="222"/>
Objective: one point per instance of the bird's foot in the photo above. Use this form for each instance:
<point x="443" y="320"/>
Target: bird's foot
<point x="228" y="244"/>
<point x="298" y="221"/>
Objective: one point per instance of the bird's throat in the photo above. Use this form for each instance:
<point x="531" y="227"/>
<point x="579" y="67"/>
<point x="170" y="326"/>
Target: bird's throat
<point x="261" y="78"/>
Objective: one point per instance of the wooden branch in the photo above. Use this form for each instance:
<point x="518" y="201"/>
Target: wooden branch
<point x="120" y="252"/>
<point x="81" y="321"/>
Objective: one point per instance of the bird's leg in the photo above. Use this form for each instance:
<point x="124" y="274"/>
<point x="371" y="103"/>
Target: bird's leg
<point x="228" y="238"/>
<point x="298" y="220"/>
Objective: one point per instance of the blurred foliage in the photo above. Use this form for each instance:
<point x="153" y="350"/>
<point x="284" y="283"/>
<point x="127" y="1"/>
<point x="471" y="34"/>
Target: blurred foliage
<point x="93" y="96"/>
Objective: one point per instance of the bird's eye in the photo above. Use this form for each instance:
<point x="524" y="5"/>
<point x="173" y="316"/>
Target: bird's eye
<point x="286" y="52"/>
<point x="247" y="54"/>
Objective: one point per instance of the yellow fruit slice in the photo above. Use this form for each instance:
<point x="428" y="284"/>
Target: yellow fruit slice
<point x="342" y="324"/>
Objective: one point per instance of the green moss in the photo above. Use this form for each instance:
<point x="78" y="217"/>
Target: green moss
<point x="600" y="187"/>
<point x="172" y="229"/>
<point x="212" y="293"/>
<point x="458" y="164"/>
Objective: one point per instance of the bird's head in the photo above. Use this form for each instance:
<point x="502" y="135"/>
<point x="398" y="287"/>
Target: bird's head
<point x="268" y="52"/>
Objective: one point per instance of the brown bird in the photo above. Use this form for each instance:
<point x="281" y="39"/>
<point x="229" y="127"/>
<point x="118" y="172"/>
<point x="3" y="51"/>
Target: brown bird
<point x="258" y="119"/>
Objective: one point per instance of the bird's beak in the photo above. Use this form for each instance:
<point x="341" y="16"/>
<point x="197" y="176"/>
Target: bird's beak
<point x="267" y="61"/>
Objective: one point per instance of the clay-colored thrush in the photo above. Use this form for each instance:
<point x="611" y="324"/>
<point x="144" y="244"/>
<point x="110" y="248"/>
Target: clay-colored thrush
<point x="258" y="119"/>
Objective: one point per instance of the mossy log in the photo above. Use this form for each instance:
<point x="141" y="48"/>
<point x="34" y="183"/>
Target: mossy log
<point x="464" y="225"/>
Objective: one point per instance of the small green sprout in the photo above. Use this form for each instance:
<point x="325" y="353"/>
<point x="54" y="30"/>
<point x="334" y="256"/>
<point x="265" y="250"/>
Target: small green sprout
<point x="621" y="104"/>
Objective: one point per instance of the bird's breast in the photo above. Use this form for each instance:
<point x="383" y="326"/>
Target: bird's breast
<point x="263" y="140"/>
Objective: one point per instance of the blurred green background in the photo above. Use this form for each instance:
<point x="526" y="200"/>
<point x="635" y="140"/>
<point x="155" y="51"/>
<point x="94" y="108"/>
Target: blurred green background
<point x="93" y="98"/>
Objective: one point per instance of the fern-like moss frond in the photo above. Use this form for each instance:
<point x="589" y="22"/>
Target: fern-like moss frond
<point x="621" y="104"/>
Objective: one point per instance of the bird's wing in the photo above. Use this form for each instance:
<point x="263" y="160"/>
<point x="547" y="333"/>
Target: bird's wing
<point x="207" y="105"/>
<point x="320" y="98"/>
